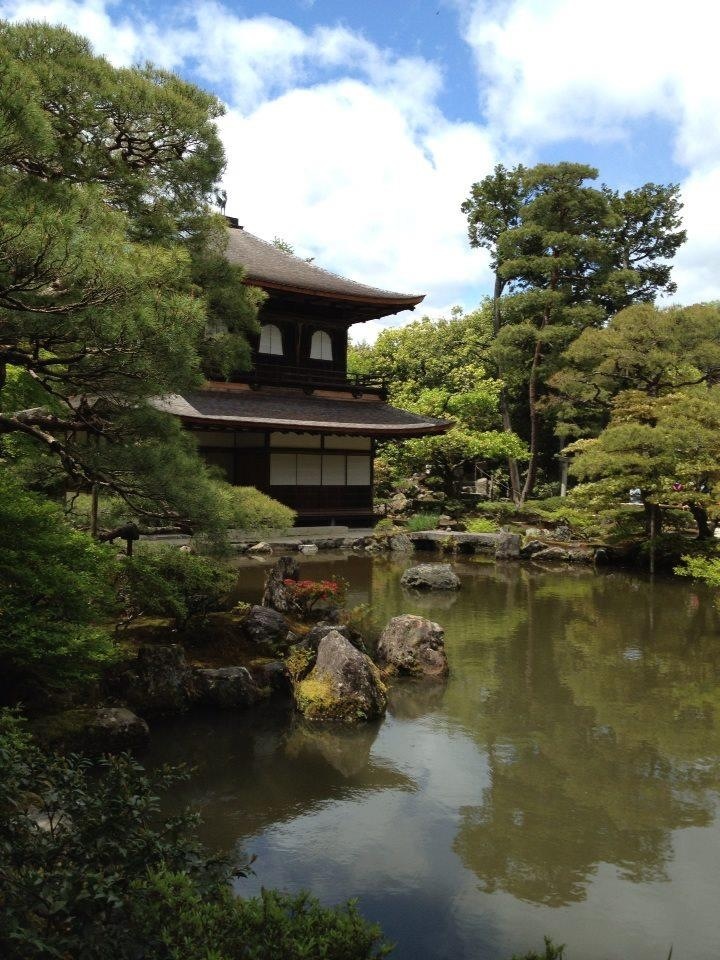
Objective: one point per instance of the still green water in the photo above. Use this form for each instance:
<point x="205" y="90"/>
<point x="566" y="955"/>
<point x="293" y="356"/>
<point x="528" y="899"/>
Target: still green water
<point x="564" y="781"/>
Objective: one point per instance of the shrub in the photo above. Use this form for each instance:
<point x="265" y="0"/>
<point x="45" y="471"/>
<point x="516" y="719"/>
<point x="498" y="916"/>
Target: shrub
<point x="385" y="525"/>
<point x="55" y="591"/>
<point x="423" y="521"/>
<point x="307" y="594"/>
<point x="90" y="870"/>
<point x="706" y="569"/>
<point x="170" y="583"/>
<point x="482" y="525"/>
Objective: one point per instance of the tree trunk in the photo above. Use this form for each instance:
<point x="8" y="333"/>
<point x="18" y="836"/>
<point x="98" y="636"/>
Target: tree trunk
<point x="513" y="471"/>
<point x="700" y="516"/>
<point x="534" y="419"/>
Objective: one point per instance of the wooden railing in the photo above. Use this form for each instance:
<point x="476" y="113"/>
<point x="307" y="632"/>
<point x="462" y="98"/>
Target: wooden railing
<point x="314" y="379"/>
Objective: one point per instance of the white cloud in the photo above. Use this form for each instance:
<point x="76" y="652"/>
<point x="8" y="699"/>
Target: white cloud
<point x="563" y="68"/>
<point x="557" y="69"/>
<point x="357" y="167"/>
<point x="339" y="146"/>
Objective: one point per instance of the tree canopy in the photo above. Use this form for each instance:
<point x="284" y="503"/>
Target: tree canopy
<point x="437" y="368"/>
<point x="114" y="288"/>
<point x="566" y="256"/>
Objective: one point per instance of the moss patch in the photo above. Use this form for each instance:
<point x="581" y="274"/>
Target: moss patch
<point x="316" y="698"/>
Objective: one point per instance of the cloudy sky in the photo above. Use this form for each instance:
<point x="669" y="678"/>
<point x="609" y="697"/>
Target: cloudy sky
<point x="354" y="128"/>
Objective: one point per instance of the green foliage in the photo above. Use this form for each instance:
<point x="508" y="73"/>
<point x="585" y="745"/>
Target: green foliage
<point x="89" y="869"/>
<point x="551" y="952"/>
<point x="438" y="368"/>
<point x="706" y="569"/>
<point x="423" y="521"/>
<point x="55" y="586"/>
<point x="643" y="348"/>
<point x="385" y="525"/>
<point x="668" y="446"/>
<point x="481" y="525"/>
<point x="114" y="288"/>
<point x="76" y="838"/>
<point x="168" y="582"/>
<point x="183" y="924"/>
<point x="566" y="256"/>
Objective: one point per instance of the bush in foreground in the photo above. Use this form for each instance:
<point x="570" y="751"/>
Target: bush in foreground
<point x="55" y="588"/>
<point x="90" y="870"/>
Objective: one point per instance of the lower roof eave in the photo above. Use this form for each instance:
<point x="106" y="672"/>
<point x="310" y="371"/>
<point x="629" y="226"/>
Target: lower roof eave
<point x="374" y="431"/>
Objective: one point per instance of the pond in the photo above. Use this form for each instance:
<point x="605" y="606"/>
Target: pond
<point x="564" y="781"/>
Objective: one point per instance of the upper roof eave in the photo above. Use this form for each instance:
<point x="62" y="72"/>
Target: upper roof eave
<point x="271" y="268"/>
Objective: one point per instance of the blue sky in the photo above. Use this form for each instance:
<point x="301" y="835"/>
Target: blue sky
<point x="354" y="130"/>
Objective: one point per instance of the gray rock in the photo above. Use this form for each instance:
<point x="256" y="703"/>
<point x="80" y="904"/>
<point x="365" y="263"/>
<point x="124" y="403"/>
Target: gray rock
<point x="431" y="576"/>
<point x="308" y="548"/>
<point x="413" y="645"/>
<point x="265" y="625"/>
<point x="531" y="548"/>
<point x="344" y="685"/>
<point x="401" y="543"/>
<point x="398" y="503"/>
<point x="117" y="728"/>
<point x="275" y="594"/>
<point x="563" y="532"/>
<point x="507" y="546"/>
<point x="226" y="687"/>
<point x="92" y="730"/>
<point x="321" y="630"/>
<point x="259" y="548"/>
<point x="552" y="555"/>
<point x="273" y="674"/>
<point x="159" y="681"/>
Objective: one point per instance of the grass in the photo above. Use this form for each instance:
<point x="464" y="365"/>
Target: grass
<point x="423" y="521"/>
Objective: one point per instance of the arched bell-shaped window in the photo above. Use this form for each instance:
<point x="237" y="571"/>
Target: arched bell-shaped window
<point x="271" y="340"/>
<point x="321" y="346"/>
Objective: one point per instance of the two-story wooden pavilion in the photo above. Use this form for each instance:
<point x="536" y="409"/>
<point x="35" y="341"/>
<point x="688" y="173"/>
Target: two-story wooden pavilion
<point x="297" y="426"/>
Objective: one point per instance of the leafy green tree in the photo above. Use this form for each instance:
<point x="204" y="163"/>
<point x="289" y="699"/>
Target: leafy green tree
<point x="566" y="256"/>
<point x="114" y="289"/>
<point x="644" y="348"/>
<point x="436" y="368"/>
<point x="668" y="446"/>
<point x="55" y="587"/>
<point x="169" y="583"/>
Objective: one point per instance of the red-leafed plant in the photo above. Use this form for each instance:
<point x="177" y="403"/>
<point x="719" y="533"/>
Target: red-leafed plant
<point x="307" y="594"/>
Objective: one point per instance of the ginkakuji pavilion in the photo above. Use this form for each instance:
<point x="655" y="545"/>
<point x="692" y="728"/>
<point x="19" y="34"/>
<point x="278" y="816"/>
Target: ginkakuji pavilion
<point x="297" y="426"/>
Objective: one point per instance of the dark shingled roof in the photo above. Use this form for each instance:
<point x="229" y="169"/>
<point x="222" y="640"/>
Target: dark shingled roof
<point x="266" y="410"/>
<point x="268" y="267"/>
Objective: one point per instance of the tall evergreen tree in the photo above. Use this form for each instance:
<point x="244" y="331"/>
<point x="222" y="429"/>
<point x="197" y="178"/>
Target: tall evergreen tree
<point x="569" y="257"/>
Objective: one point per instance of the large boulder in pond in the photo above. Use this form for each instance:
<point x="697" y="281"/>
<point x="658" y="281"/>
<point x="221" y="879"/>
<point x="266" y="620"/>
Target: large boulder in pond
<point x="276" y="595"/>
<point x="92" y="730"/>
<point x="431" y="576"/>
<point x="413" y="645"/>
<point x="265" y="625"/>
<point x="344" y="685"/>
<point x="159" y="681"/>
<point x="228" y="688"/>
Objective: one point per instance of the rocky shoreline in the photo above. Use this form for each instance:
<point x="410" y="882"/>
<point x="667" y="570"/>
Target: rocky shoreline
<point x="317" y="662"/>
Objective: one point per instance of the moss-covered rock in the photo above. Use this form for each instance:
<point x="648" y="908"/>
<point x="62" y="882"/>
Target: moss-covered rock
<point x="343" y="686"/>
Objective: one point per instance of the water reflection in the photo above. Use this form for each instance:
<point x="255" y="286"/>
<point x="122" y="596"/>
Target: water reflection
<point x="565" y="764"/>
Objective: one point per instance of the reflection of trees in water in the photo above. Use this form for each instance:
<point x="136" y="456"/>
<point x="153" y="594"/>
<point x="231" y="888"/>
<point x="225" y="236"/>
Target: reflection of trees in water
<point x="410" y="699"/>
<point x="591" y="759"/>
<point x="258" y="769"/>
